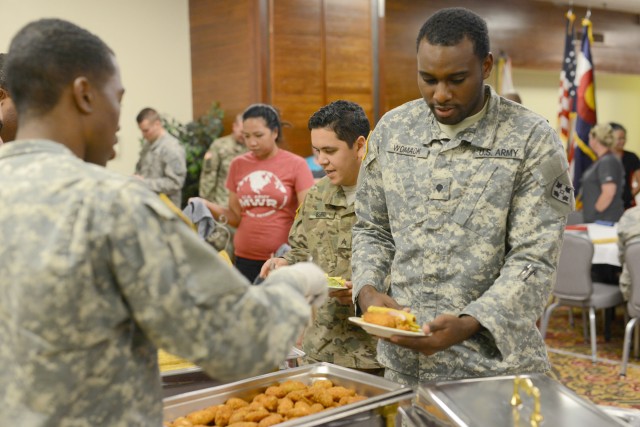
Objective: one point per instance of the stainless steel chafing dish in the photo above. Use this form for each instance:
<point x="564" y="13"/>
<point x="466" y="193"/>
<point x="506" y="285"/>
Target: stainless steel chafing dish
<point x="178" y="381"/>
<point x="507" y="401"/>
<point x="379" y="409"/>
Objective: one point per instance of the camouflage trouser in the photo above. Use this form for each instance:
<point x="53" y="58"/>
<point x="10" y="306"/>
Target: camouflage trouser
<point x="400" y="378"/>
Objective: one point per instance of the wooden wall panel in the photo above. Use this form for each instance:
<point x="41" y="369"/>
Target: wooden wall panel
<point x="296" y="66"/>
<point x="349" y="53"/>
<point x="227" y="55"/>
<point x="321" y="50"/>
<point x="531" y="32"/>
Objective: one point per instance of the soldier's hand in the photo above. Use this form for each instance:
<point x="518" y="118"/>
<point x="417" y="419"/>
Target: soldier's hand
<point x="343" y="296"/>
<point x="310" y="279"/>
<point x="370" y="296"/>
<point x="270" y="265"/>
<point x="443" y="332"/>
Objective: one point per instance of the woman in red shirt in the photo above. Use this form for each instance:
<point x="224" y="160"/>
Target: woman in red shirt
<point x="265" y="185"/>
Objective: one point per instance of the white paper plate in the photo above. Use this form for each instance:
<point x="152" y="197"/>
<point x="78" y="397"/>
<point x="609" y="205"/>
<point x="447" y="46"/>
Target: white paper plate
<point x="337" y="288"/>
<point x="383" y="331"/>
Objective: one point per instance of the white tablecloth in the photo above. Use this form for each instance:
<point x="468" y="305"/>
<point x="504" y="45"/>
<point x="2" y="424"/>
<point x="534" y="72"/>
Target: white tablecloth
<point x="603" y="253"/>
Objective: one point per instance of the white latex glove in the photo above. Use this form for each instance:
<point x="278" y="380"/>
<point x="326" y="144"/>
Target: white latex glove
<point x="305" y="276"/>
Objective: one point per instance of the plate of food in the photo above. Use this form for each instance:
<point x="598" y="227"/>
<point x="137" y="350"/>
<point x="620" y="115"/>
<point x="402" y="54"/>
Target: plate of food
<point x="385" y="322"/>
<point x="336" y="283"/>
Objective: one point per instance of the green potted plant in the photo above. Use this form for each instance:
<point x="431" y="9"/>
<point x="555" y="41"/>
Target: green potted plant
<point x="196" y="137"/>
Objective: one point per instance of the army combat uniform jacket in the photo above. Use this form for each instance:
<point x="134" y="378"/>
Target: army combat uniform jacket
<point x="163" y="166"/>
<point x="322" y="229"/>
<point x="215" y="168"/>
<point x="628" y="231"/>
<point x="457" y="223"/>
<point x="97" y="273"/>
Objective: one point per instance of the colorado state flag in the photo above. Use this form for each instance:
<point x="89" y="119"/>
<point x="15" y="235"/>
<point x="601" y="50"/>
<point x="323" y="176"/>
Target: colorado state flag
<point x="583" y="156"/>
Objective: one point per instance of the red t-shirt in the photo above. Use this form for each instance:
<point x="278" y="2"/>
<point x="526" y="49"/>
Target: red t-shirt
<point x="266" y="190"/>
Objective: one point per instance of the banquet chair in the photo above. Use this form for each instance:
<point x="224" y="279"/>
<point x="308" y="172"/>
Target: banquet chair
<point x="632" y="261"/>
<point x="574" y="287"/>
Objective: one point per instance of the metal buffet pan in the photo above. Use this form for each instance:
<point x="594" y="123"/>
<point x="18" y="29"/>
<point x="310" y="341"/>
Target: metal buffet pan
<point x="183" y="380"/>
<point x="379" y="409"/>
<point x="507" y="401"/>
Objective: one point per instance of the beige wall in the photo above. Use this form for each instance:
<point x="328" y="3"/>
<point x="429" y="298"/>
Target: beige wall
<point x="151" y="41"/>
<point x="617" y="98"/>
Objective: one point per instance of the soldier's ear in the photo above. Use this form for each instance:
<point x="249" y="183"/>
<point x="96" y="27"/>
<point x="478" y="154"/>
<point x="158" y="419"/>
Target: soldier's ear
<point x="83" y="94"/>
<point x="360" y="146"/>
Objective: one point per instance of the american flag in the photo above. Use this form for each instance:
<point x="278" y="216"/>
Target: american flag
<point x="567" y="84"/>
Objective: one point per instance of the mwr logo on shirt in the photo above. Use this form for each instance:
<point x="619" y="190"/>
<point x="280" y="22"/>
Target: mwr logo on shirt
<point x="261" y="193"/>
<point x="505" y="153"/>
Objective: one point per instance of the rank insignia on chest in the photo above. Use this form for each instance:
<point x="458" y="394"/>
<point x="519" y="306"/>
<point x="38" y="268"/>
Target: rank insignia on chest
<point x="561" y="192"/>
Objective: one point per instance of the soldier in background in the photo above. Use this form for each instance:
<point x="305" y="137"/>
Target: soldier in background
<point x="107" y="273"/>
<point x="463" y="199"/>
<point x="213" y="178"/>
<point x="322" y="230"/>
<point x="628" y="231"/>
<point x="162" y="164"/>
<point x="215" y="166"/>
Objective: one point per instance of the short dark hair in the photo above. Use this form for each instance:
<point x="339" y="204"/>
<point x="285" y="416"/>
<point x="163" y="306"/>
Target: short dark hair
<point x="447" y="27"/>
<point x="266" y="112"/>
<point x="347" y="119"/>
<point x="47" y="55"/>
<point x="3" y="74"/>
<point x="617" y="126"/>
<point x="147" y="113"/>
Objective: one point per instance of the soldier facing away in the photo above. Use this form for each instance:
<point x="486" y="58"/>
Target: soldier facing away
<point x="463" y="199"/>
<point x="108" y="273"/>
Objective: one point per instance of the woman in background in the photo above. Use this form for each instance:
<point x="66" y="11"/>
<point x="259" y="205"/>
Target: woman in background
<point x="265" y="185"/>
<point x="602" y="185"/>
<point x="603" y="181"/>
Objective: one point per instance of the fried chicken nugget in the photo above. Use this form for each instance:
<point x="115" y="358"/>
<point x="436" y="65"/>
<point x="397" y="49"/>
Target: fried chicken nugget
<point x="284" y="405"/>
<point x="322" y="396"/>
<point x="301" y="411"/>
<point x="257" y="416"/>
<point x="269" y="402"/>
<point x="316" y="407"/>
<point x="292" y="385"/>
<point x="296" y="395"/>
<point x="351" y="399"/>
<point x="301" y="404"/>
<point x="238" y="415"/>
<point x="277" y="391"/>
<point x="182" y="422"/>
<point x="223" y="415"/>
<point x="339" y="392"/>
<point x="322" y="384"/>
<point x="204" y="416"/>
<point x="236" y="402"/>
<point x="244" y="424"/>
<point x="271" y="420"/>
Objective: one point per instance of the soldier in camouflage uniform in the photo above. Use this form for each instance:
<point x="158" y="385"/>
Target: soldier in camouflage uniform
<point x="322" y="230"/>
<point x="215" y="168"/>
<point x="97" y="272"/>
<point x="162" y="165"/>
<point x="463" y="198"/>
<point x="628" y="231"/>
